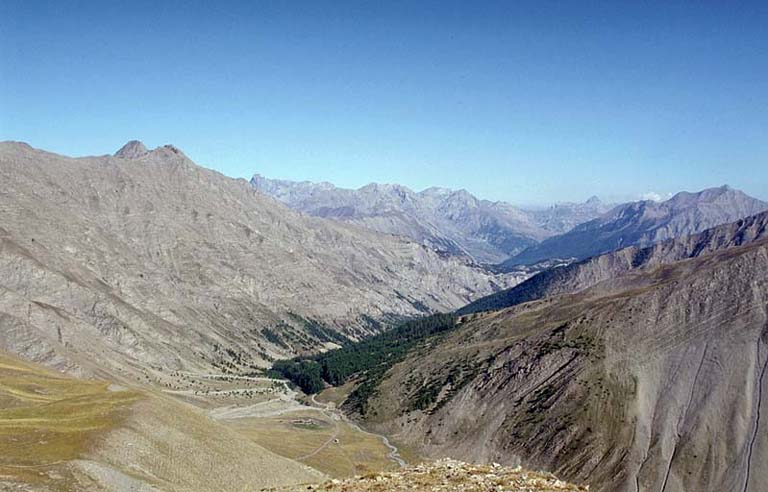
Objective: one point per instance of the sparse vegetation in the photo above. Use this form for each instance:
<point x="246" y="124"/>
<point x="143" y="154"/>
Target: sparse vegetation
<point x="448" y="476"/>
<point x="47" y="418"/>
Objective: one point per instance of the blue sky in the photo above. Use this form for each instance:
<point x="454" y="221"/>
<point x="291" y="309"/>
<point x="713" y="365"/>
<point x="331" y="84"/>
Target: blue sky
<point x="525" y="102"/>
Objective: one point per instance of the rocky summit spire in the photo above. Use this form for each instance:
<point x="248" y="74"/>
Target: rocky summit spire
<point x="132" y="150"/>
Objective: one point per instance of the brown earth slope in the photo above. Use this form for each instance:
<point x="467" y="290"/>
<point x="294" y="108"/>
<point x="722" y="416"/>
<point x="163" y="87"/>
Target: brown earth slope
<point x="655" y="380"/>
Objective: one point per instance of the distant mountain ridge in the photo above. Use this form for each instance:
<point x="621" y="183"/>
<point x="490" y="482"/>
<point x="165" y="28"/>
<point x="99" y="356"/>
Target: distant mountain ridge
<point x="644" y="223"/>
<point x="586" y="273"/>
<point x="453" y="221"/>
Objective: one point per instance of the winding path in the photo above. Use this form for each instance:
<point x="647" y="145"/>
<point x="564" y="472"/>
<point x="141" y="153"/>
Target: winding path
<point x="394" y="453"/>
<point x="292" y="405"/>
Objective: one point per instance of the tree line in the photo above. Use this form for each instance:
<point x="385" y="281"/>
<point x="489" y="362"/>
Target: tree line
<point x="370" y="357"/>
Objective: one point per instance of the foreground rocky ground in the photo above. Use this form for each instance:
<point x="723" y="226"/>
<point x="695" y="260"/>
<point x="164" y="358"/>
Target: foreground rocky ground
<point x="447" y="476"/>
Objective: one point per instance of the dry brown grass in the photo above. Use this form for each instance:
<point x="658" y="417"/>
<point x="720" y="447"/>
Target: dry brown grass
<point x="354" y="454"/>
<point x="47" y="419"/>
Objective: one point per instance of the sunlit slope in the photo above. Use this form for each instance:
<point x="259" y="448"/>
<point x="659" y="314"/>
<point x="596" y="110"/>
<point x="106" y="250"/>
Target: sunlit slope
<point x="47" y="419"/>
<point x="64" y="434"/>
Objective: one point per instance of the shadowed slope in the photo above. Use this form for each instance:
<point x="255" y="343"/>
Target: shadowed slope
<point x="586" y="273"/>
<point x="652" y="381"/>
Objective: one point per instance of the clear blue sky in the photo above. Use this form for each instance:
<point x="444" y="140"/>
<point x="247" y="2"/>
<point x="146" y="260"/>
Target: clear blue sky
<point x="525" y="102"/>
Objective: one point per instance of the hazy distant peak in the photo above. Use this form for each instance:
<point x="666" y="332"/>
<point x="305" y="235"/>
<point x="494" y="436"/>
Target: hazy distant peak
<point x="646" y="222"/>
<point x="685" y="198"/>
<point x="132" y="150"/>
<point x="593" y="200"/>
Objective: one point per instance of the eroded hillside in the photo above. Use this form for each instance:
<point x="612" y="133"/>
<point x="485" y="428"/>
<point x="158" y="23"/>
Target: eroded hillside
<point x="586" y="273"/>
<point x="145" y="261"/>
<point x="655" y="380"/>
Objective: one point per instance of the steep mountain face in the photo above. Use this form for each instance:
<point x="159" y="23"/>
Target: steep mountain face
<point x="455" y="222"/>
<point x="147" y="260"/>
<point x="583" y="274"/>
<point x="644" y="223"/>
<point x="655" y="380"/>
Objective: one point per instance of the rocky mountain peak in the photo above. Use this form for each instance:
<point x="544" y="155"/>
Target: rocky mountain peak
<point x="709" y="195"/>
<point x="593" y="200"/>
<point x="132" y="150"/>
<point x="169" y="150"/>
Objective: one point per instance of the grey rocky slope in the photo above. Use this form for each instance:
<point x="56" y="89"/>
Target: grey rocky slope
<point x="453" y="221"/>
<point x="655" y="380"/>
<point x="583" y="274"/>
<point x="148" y="260"/>
<point x="644" y="223"/>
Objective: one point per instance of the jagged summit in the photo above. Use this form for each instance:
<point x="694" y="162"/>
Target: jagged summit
<point x="132" y="150"/>
<point x="136" y="149"/>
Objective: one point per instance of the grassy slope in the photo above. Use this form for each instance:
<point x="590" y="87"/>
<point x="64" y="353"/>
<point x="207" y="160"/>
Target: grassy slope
<point x="354" y="453"/>
<point x="60" y="434"/>
<point x="47" y="419"/>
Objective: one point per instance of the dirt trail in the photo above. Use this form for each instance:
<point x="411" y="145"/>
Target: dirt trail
<point x="288" y="403"/>
<point x="327" y="443"/>
<point x="331" y="412"/>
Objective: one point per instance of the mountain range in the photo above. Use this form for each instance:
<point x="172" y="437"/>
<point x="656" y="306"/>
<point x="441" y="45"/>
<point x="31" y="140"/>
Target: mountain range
<point x="460" y="224"/>
<point x="644" y="223"/>
<point x="452" y="221"/>
<point x="181" y="304"/>
<point x="119" y="263"/>
<point x="586" y="273"/>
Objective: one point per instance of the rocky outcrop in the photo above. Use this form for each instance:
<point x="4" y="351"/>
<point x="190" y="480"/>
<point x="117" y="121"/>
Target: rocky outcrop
<point x="447" y="476"/>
